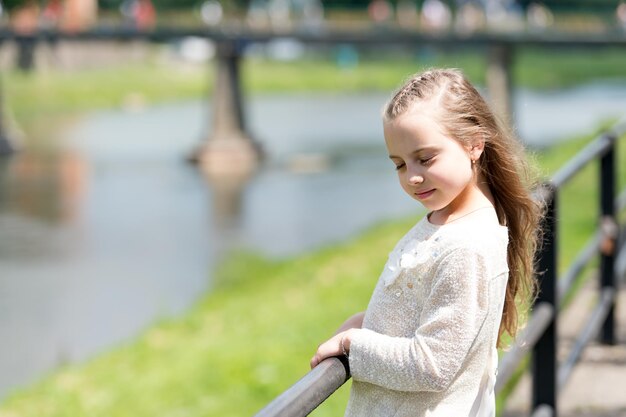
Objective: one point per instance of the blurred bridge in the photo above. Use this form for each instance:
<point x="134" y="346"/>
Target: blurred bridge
<point x="229" y="146"/>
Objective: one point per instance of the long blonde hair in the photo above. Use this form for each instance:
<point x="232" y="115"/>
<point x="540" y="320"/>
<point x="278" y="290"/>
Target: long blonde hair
<point x="464" y="114"/>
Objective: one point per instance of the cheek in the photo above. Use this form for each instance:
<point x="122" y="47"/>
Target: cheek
<point x="402" y="180"/>
<point x="457" y="176"/>
<point x="453" y="173"/>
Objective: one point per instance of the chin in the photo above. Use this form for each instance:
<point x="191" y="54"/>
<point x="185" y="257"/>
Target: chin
<point x="428" y="205"/>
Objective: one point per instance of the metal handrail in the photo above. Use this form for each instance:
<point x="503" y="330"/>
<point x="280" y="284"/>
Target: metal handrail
<point x="589" y="153"/>
<point x="591" y="330"/>
<point x="310" y="391"/>
<point x="566" y="281"/>
<point x="537" y="323"/>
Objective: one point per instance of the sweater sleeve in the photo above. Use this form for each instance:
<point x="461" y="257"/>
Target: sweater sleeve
<point x="450" y="322"/>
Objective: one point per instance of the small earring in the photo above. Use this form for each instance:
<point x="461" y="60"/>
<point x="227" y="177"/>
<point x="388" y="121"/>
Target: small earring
<point x="473" y="161"/>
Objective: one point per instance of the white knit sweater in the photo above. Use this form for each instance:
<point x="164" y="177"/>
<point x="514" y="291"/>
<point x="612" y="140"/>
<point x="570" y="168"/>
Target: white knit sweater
<point x="428" y="347"/>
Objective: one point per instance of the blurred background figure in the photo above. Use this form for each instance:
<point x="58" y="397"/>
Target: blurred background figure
<point x="310" y="14"/>
<point x="51" y="14"/>
<point x="24" y="15"/>
<point x="279" y="12"/>
<point x="620" y="15"/>
<point x="436" y="16"/>
<point x="211" y="12"/>
<point x="470" y="17"/>
<point x="79" y="15"/>
<point x="538" y="16"/>
<point x="380" y="11"/>
<point x="28" y="16"/>
<point x="257" y="15"/>
<point x="139" y="14"/>
<point x="503" y="15"/>
<point x="24" y="19"/>
<point x="407" y="15"/>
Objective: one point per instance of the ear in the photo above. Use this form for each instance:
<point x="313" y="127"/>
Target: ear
<point x="476" y="149"/>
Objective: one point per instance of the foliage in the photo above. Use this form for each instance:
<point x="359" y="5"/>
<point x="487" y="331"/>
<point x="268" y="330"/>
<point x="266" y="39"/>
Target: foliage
<point x="13" y="4"/>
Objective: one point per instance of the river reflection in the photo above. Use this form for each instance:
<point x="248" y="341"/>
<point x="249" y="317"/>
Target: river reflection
<point x="113" y="230"/>
<point x="90" y="253"/>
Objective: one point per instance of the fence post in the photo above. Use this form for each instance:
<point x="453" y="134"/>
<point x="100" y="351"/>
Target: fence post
<point x="544" y="361"/>
<point x="6" y="145"/>
<point x="610" y="229"/>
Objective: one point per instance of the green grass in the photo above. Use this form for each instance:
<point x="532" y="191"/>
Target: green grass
<point x="37" y="101"/>
<point x="371" y="74"/>
<point x="253" y="335"/>
<point x="559" y="68"/>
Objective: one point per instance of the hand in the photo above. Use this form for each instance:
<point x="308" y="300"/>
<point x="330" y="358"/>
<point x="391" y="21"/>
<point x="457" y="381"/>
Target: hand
<point x="332" y="347"/>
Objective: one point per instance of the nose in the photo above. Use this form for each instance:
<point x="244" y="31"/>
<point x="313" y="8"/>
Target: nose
<point x="416" y="179"/>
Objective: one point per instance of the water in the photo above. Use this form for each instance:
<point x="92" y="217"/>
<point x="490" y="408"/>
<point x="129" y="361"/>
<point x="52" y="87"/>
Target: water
<point x="115" y="230"/>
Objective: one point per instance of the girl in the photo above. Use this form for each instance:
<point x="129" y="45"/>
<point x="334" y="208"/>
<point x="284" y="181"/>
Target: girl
<point x="426" y="346"/>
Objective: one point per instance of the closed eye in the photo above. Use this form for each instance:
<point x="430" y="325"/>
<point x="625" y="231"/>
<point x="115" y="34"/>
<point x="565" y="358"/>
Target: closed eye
<point x="427" y="161"/>
<point x="399" y="166"/>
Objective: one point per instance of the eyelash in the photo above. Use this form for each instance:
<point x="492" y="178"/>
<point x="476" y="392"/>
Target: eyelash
<point x="425" y="162"/>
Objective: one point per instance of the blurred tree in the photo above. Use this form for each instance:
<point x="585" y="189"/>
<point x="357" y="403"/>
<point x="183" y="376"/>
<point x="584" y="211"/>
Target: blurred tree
<point x="575" y="5"/>
<point x="13" y="4"/>
<point x="346" y="4"/>
<point x="175" y="4"/>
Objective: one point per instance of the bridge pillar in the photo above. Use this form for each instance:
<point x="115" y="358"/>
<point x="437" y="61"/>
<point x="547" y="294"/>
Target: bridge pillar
<point x="500" y="80"/>
<point x="228" y="150"/>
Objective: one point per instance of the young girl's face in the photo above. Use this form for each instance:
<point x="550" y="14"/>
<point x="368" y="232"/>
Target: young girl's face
<point x="433" y="168"/>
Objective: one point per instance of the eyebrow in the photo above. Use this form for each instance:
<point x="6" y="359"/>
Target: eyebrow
<point x="417" y="151"/>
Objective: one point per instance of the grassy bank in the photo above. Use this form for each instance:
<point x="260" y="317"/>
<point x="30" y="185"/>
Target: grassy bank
<point x="38" y="100"/>
<point x="253" y="335"/>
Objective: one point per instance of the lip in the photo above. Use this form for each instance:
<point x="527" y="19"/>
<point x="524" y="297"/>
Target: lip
<point x="424" y="194"/>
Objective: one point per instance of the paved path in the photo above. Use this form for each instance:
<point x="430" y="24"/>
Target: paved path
<point x="597" y="386"/>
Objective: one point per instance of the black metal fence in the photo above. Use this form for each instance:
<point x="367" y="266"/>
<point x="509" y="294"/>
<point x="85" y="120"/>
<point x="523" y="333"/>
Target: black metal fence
<point x="540" y="334"/>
